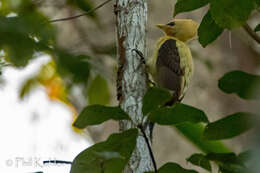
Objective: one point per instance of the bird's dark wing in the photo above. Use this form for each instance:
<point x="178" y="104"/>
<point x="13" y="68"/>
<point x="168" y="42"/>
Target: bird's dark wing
<point x="169" y="72"/>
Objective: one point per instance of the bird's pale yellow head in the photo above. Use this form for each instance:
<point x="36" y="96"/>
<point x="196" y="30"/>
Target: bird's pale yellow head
<point x="182" y="29"/>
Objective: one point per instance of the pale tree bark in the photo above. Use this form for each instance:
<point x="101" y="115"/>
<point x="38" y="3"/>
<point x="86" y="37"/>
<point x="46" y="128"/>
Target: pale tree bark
<point x="131" y="18"/>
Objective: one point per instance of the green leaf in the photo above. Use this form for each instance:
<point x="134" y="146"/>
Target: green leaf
<point x="257" y="28"/>
<point x="188" y="5"/>
<point x="245" y="156"/>
<point x="231" y="13"/>
<point x="225" y="158"/>
<point x="27" y="87"/>
<point x="230" y="126"/>
<point x="110" y="156"/>
<point x="154" y="98"/>
<point x="32" y="31"/>
<point x="85" y="5"/>
<point x="257" y="4"/>
<point x="75" y="67"/>
<point x="171" y="167"/>
<point x="179" y="113"/>
<point x="30" y="24"/>
<point x="233" y="168"/>
<point x="98" y="92"/>
<point x="200" y="160"/>
<point x="194" y="133"/>
<point x="106" y="155"/>
<point x="228" y="162"/>
<point x="37" y="25"/>
<point x="208" y="30"/>
<point x="97" y="114"/>
<point x="17" y="54"/>
<point x="243" y="84"/>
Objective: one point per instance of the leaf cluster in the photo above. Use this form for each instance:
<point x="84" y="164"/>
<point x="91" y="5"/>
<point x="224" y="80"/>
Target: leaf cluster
<point x="222" y="14"/>
<point x="153" y="108"/>
<point x="26" y="33"/>
<point x="246" y="86"/>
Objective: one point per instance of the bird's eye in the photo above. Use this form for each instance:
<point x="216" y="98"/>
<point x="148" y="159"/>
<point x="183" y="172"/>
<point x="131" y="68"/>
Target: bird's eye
<point x="171" y="24"/>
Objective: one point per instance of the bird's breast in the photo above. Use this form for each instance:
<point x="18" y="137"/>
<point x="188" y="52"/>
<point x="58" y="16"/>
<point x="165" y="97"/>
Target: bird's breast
<point x="173" y="65"/>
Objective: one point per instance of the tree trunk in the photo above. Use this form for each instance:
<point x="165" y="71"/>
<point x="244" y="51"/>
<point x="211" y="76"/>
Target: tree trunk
<point x="131" y="20"/>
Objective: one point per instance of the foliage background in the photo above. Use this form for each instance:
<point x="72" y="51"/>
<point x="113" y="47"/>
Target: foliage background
<point x="94" y="37"/>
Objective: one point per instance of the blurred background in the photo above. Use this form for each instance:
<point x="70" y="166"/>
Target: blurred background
<point x="43" y="88"/>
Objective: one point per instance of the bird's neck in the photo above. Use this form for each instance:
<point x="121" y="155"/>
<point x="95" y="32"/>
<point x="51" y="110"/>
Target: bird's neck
<point x="166" y="36"/>
<point x="179" y="37"/>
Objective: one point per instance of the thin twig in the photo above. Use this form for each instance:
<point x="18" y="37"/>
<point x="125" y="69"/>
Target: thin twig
<point x="82" y="14"/>
<point x="57" y="162"/>
<point x="149" y="148"/>
<point x="253" y="34"/>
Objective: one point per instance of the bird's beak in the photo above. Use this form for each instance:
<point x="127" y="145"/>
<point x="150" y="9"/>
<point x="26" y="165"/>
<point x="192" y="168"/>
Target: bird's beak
<point x="161" y="26"/>
<point x="168" y="30"/>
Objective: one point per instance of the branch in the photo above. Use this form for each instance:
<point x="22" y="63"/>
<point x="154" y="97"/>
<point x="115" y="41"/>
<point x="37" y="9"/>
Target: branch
<point x="250" y="31"/>
<point x="80" y="15"/>
<point x="57" y="162"/>
<point x="149" y="147"/>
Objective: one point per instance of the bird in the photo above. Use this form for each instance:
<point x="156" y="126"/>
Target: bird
<point x="171" y="65"/>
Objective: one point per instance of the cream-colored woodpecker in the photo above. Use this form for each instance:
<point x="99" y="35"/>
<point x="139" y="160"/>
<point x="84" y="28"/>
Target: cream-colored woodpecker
<point x="171" y="65"/>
